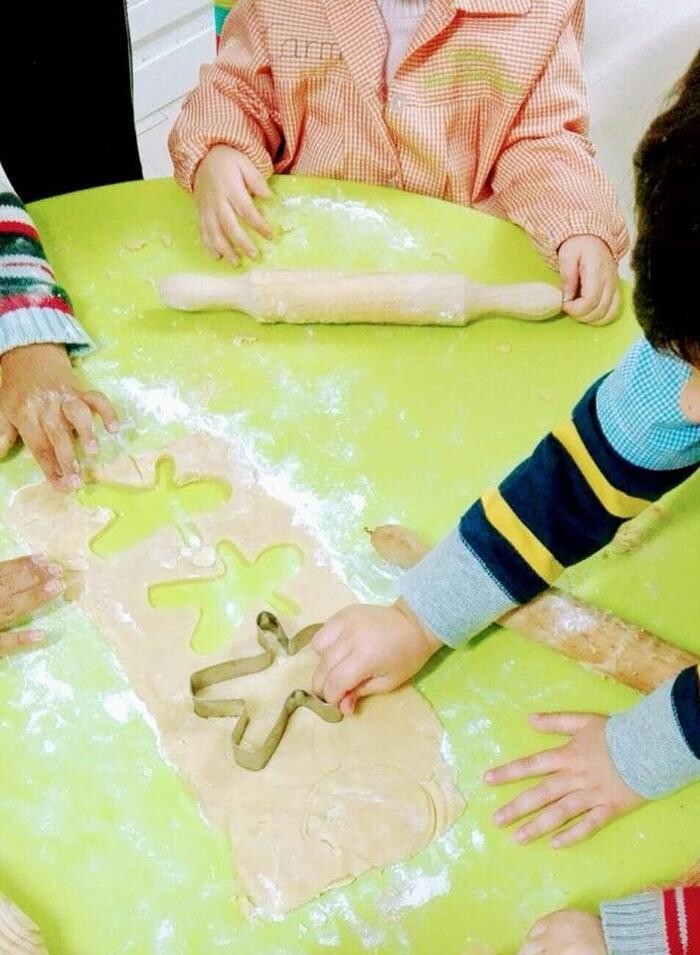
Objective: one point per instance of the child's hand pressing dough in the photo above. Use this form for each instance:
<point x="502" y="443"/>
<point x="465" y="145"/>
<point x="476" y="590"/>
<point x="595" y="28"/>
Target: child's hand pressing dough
<point x="367" y="650"/>
<point x="26" y="584"/>
<point x="223" y="185"/>
<point x="43" y="401"/>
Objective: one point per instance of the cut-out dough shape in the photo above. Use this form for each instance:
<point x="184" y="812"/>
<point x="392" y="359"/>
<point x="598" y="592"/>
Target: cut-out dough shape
<point x="140" y="511"/>
<point x="223" y="599"/>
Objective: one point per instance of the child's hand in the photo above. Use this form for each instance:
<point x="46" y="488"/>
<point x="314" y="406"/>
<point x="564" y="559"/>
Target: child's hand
<point x="566" y="933"/>
<point x="367" y="650"/>
<point x="581" y="781"/>
<point x="26" y="584"/>
<point x="42" y="400"/>
<point x="589" y="280"/>
<point x="223" y="184"/>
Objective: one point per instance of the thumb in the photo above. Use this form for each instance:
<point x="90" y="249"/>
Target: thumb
<point x="375" y="684"/>
<point x="570" y="273"/>
<point x="348" y="703"/>
<point x="560" y="724"/>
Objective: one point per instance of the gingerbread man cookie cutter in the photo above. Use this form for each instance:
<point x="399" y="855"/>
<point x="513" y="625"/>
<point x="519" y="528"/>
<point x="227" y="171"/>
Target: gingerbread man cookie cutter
<point x="272" y="639"/>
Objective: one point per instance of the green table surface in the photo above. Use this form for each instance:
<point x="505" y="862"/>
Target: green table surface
<point x="101" y="842"/>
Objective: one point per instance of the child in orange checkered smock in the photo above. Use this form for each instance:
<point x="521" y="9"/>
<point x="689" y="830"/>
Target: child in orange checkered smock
<point x="481" y="102"/>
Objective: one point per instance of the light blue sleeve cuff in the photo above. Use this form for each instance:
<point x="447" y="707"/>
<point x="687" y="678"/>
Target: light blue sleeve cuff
<point x="648" y="748"/>
<point x="37" y="326"/>
<point x="635" y="926"/>
<point x="639" y="411"/>
<point x="452" y="593"/>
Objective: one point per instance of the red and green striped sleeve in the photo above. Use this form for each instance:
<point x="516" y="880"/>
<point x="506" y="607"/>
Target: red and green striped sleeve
<point x="34" y="309"/>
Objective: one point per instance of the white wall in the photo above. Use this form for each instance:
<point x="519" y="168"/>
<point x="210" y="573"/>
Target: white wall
<point x="170" y="39"/>
<point x="635" y="51"/>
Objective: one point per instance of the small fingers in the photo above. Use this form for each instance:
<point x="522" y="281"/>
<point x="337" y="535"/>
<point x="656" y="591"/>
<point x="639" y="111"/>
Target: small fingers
<point x="530" y="801"/>
<point x="570" y="276"/>
<point x="344" y="678"/>
<point x="584" y="308"/>
<point x="330" y="659"/>
<point x="548" y="761"/>
<point x="79" y="415"/>
<point x="206" y="234"/>
<point x="14" y="640"/>
<point x="216" y="242"/>
<point x="103" y="407"/>
<point x="58" y="432"/>
<point x="19" y="605"/>
<point x="8" y="568"/>
<point x="42" y="451"/>
<point x="594" y="820"/>
<point x="247" y="211"/>
<point x="328" y="634"/>
<point x="25" y="573"/>
<point x="597" y="314"/>
<point x="254" y="180"/>
<point x="553" y="817"/>
<point x="560" y="724"/>
<point x="8" y="436"/>
<point x="235" y="233"/>
<point x="612" y="307"/>
<point x="348" y="703"/>
<point x="378" y="684"/>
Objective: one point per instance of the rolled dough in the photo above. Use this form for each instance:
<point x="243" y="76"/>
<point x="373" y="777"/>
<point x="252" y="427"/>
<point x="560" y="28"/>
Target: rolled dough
<point x="336" y="799"/>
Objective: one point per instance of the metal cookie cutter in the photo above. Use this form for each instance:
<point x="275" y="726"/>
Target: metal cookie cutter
<point x="271" y="638"/>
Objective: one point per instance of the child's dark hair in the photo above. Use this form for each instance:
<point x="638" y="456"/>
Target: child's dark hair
<point x="666" y="257"/>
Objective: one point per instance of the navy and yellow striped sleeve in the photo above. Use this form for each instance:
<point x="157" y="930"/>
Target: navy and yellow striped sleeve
<point x="563" y="503"/>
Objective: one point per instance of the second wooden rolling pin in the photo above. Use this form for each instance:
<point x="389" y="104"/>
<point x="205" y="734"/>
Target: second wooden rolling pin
<point x="596" y="639"/>
<point x="309" y="296"/>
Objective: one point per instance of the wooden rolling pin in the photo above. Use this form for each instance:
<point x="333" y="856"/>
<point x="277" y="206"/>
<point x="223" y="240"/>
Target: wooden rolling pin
<point x="596" y="639"/>
<point x="309" y="296"/>
<point x="18" y="934"/>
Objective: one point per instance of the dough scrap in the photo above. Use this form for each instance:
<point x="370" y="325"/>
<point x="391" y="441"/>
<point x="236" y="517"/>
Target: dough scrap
<point x="336" y="799"/>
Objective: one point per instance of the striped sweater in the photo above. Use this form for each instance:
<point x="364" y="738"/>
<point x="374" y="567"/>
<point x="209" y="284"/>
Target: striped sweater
<point x="626" y="444"/>
<point x="34" y="309"/>
<point x="654" y="923"/>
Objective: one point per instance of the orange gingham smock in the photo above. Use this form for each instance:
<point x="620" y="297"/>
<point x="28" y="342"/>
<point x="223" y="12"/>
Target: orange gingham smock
<point x="488" y="108"/>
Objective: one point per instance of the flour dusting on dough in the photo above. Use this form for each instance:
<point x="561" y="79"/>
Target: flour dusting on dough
<point x="323" y="518"/>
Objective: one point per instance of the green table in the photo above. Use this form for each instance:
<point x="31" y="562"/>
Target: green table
<point x="101" y="843"/>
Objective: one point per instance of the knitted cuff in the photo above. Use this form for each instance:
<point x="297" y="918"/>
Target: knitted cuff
<point x="648" y="747"/>
<point x="37" y="325"/>
<point x="635" y="926"/>
<point x="452" y="593"/>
